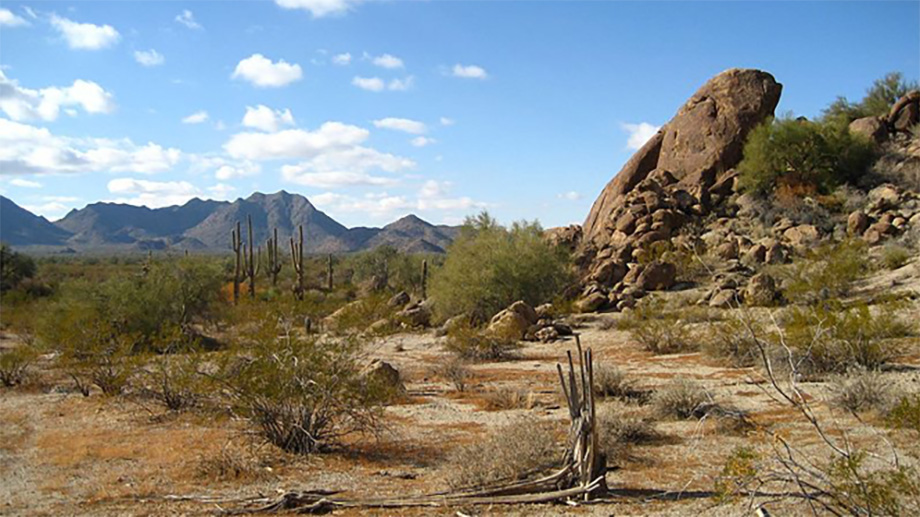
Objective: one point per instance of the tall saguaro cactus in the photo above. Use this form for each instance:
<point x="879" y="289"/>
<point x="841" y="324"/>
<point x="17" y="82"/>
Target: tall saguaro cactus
<point x="237" y="239"/>
<point x="297" y="263"/>
<point x="251" y="265"/>
<point x="274" y="259"/>
<point x="424" y="279"/>
<point x="329" y="273"/>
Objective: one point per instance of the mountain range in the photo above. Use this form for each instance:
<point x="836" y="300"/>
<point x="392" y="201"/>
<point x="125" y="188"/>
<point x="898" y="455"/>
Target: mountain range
<point x="205" y="226"/>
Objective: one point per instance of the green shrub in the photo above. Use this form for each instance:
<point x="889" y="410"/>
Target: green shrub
<point x="14" y="268"/>
<point x="658" y="330"/>
<point x="895" y="256"/>
<point x="488" y="267"/>
<point x="302" y="393"/>
<point x="14" y="364"/>
<point x="860" y="390"/>
<point x="739" y="471"/>
<point x="905" y="414"/>
<point x="827" y="272"/>
<point x="802" y="156"/>
<point x="610" y="381"/>
<point x="95" y="352"/>
<point x="732" y="340"/>
<point x="682" y="399"/>
<point x="471" y="343"/>
<point x="877" y="102"/>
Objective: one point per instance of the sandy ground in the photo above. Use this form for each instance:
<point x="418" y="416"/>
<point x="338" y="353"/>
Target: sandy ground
<point x="63" y="454"/>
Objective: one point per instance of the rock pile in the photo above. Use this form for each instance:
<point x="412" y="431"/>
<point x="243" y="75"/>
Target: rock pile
<point x="521" y="321"/>
<point x="890" y="211"/>
<point x="676" y="177"/>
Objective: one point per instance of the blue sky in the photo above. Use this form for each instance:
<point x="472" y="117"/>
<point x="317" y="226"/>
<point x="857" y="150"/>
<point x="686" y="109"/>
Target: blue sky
<point x="377" y="109"/>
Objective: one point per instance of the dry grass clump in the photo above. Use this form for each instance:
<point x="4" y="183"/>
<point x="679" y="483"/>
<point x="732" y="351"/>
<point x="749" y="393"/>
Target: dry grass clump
<point x="682" y="399"/>
<point x="660" y="331"/>
<point x="456" y="372"/>
<point x="474" y="344"/>
<point x="231" y="464"/>
<point x="861" y="390"/>
<point x="894" y="256"/>
<point x="610" y="381"/>
<point x="504" y="399"/>
<point x="617" y="432"/>
<point x="516" y="451"/>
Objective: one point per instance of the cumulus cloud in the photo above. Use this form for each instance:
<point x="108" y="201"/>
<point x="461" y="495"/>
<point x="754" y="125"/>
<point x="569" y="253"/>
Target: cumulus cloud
<point x="469" y="71"/>
<point x="20" y="103"/>
<point x="447" y="121"/>
<point x="320" y="8"/>
<point x="188" y="19"/>
<point x="346" y="167"/>
<point x="153" y="194"/>
<point x="341" y="59"/>
<point x="10" y="19"/>
<point x="196" y="118"/>
<point x="85" y="36"/>
<point x="52" y="207"/>
<point x="432" y="198"/>
<point x="264" y="118"/>
<point x="294" y="143"/>
<point x="263" y="73"/>
<point x="387" y="61"/>
<point x="373" y="84"/>
<point x="639" y="134"/>
<point x="149" y="57"/>
<point x="422" y="141"/>
<point x="401" y="85"/>
<point x="401" y="124"/>
<point x="221" y="190"/>
<point x="228" y="172"/>
<point x="26" y="149"/>
<point x="24" y="183"/>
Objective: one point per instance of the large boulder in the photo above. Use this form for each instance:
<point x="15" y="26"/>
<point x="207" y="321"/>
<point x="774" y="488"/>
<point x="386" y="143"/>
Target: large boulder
<point x="705" y="138"/>
<point x="872" y="128"/>
<point x="657" y="276"/>
<point x="761" y="290"/>
<point x="905" y="113"/>
<point x="513" y="321"/>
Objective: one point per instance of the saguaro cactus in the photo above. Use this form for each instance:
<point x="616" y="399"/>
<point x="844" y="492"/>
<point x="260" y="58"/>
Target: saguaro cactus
<point x="274" y="259"/>
<point x="297" y="264"/>
<point x="237" y="239"/>
<point x="253" y="262"/>
<point x="329" y="273"/>
<point x="424" y="279"/>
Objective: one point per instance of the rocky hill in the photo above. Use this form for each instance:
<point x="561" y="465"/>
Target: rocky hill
<point x="206" y="225"/>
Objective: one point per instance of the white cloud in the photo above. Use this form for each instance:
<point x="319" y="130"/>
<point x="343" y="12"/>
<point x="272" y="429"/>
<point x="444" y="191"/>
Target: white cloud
<point x="25" y="104"/>
<point x="341" y="59"/>
<point x="10" y="19"/>
<point x="401" y="85"/>
<point x="432" y="197"/>
<point x="373" y="84"/>
<point x="262" y="72"/>
<point x="320" y="8"/>
<point x="149" y="57"/>
<point x="221" y="190"/>
<point x="264" y="118"/>
<point x="188" y="19"/>
<point x="422" y="141"/>
<point x="196" y="118"/>
<point x="19" y="182"/>
<point x="153" y="194"/>
<point x="52" y="210"/>
<point x="85" y="36"/>
<point x="570" y="196"/>
<point x="228" y="172"/>
<point x="447" y="121"/>
<point x="26" y="149"/>
<point x="387" y="61"/>
<point x="294" y="143"/>
<point x="639" y="134"/>
<point x="346" y="167"/>
<point x="469" y="72"/>
<point x="401" y="124"/>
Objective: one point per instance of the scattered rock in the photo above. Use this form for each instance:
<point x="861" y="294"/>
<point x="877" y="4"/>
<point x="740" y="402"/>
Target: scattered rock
<point x="802" y="237"/>
<point x="727" y="250"/>
<point x="905" y="113"/>
<point x="761" y="290"/>
<point x="724" y="299"/>
<point x="657" y="276"/>
<point x="547" y="334"/>
<point x="857" y="223"/>
<point x="513" y="321"/>
<point x="400" y="299"/>
<point x="384" y="374"/>
<point x="415" y="315"/>
<point x="754" y="256"/>
<point x="591" y="303"/>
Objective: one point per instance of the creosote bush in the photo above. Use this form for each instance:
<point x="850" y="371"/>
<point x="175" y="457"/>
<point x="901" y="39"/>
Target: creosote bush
<point x="488" y="267"/>
<point x="905" y="414"/>
<point x="826" y="272"/>
<point x="658" y="330"/>
<point x="732" y="340"/>
<point x="14" y="364"/>
<point x="517" y="451"/>
<point x="860" y="390"/>
<point x="471" y="343"/>
<point x="682" y="399"/>
<point x="802" y="156"/>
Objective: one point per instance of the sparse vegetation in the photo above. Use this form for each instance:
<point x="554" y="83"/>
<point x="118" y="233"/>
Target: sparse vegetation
<point x="456" y="372"/>
<point x="731" y="340"/>
<point x="860" y="390"/>
<point x="905" y="414"/>
<point x="488" y="267"/>
<point x="15" y="363"/>
<point x="618" y="432"/>
<point x="878" y="100"/>
<point x="894" y="256"/>
<point x="682" y="399"/>
<point x="610" y="381"/>
<point x="658" y="330"/>
<point x="504" y="399"/>
<point x="829" y="271"/>
<point x="470" y="343"/>
<point x="516" y="451"/>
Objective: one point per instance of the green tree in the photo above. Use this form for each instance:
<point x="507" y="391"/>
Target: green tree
<point x="489" y="267"/>
<point x="14" y="268"/>
<point x="879" y="98"/>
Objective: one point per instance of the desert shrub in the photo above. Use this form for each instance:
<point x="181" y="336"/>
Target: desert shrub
<point x="14" y="268"/>
<point x="878" y="100"/>
<point x="174" y="380"/>
<point x="802" y="156"/>
<point x="830" y="338"/>
<point x="15" y="363"/>
<point x="860" y="390"/>
<point x="504" y="399"/>
<point x="739" y="471"/>
<point x="864" y="490"/>
<point x="682" y="399"/>
<point x="456" y="372"/>
<point x="895" y="256"/>
<point x="400" y="271"/>
<point x="358" y="315"/>
<point x="471" y="343"/>
<point x="617" y="432"/>
<point x="658" y="330"/>
<point x="610" y="381"/>
<point x="905" y="414"/>
<point x="488" y="267"/>
<point x="231" y="464"/>
<point x="303" y="393"/>
<point x="828" y="271"/>
<point x="516" y="451"/>
<point x="732" y="340"/>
